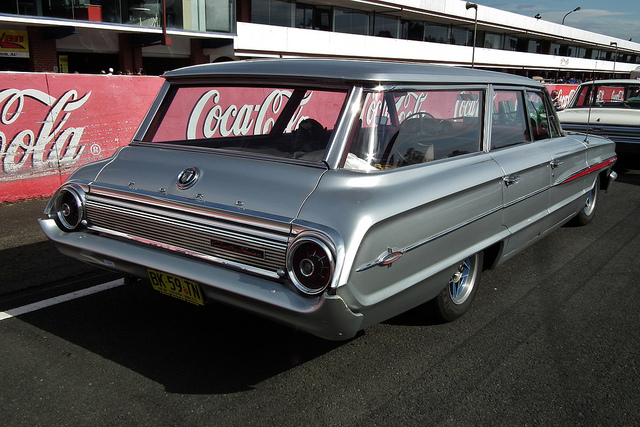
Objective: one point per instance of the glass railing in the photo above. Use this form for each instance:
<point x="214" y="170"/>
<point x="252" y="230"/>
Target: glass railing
<point x="193" y="15"/>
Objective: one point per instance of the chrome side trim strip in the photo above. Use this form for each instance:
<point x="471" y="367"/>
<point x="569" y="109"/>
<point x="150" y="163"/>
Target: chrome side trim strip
<point x="393" y="254"/>
<point x="527" y="196"/>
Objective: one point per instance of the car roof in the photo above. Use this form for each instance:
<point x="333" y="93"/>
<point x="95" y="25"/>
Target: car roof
<point x="374" y="72"/>
<point x="612" y="81"/>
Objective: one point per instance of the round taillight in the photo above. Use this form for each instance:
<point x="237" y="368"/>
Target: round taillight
<point x="310" y="264"/>
<point x="69" y="208"/>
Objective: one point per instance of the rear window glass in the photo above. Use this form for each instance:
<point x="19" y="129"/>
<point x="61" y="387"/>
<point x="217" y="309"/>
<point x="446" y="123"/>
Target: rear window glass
<point x="281" y="122"/>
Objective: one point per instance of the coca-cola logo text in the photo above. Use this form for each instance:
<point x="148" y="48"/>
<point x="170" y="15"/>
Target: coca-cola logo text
<point x="210" y="119"/>
<point x="441" y="104"/>
<point x="54" y="145"/>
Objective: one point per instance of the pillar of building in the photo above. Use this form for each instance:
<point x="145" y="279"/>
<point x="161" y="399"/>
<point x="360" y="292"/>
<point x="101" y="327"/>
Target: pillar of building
<point x="43" y="56"/>
<point x="197" y="56"/>
<point x="129" y="55"/>
<point x="243" y="10"/>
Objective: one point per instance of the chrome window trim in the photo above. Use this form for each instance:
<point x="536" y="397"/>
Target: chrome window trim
<point x="346" y="120"/>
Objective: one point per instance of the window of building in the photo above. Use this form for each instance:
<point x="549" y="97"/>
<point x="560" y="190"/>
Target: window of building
<point x="200" y="15"/>
<point x="304" y="16"/>
<point x="313" y="17"/>
<point x="436" y="33"/>
<point x="554" y="49"/>
<point x="19" y="7"/>
<point x="412" y="30"/>
<point x="534" y="46"/>
<point x="386" y="26"/>
<point x="573" y="51"/>
<point x="510" y="43"/>
<point x="351" y="21"/>
<point x="461" y="37"/>
<point x="273" y="12"/>
<point x="493" y="41"/>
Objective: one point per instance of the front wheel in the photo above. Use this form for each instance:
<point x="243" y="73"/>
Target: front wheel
<point x="456" y="298"/>
<point x="586" y="214"/>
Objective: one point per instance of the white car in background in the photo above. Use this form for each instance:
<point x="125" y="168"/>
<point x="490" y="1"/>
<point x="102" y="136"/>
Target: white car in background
<point x="609" y="108"/>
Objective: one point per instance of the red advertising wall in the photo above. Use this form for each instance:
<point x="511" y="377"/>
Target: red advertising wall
<point x="51" y="124"/>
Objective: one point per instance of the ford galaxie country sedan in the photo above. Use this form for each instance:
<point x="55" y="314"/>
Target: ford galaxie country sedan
<point x="330" y="195"/>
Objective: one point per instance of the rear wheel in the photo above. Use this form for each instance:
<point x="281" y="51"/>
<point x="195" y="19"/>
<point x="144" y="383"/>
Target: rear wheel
<point x="586" y="214"/>
<point x="456" y="298"/>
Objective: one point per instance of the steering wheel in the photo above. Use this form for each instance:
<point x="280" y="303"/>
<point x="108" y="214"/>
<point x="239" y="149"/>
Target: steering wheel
<point x="416" y="123"/>
<point x="417" y="118"/>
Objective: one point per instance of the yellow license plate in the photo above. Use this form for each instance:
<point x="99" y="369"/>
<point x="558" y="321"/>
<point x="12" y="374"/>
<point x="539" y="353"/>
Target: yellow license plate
<point x="175" y="286"/>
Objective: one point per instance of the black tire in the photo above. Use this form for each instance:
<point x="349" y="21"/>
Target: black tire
<point x="588" y="212"/>
<point x="456" y="298"/>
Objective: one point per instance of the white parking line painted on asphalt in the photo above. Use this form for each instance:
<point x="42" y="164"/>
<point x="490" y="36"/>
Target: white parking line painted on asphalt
<point x="57" y="300"/>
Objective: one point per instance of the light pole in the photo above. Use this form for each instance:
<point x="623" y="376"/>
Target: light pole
<point x="615" y="57"/>
<point x="475" y="30"/>
<point x="574" y="10"/>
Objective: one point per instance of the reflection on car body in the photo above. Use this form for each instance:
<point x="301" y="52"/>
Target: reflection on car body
<point x="609" y="108"/>
<point x="331" y="195"/>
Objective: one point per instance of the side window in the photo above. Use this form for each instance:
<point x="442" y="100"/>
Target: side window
<point x="509" y="120"/>
<point x="555" y="129"/>
<point x="538" y="117"/>
<point x="403" y="128"/>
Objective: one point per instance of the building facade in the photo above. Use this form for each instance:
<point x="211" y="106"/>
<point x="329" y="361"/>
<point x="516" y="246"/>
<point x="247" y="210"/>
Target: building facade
<point x="151" y="36"/>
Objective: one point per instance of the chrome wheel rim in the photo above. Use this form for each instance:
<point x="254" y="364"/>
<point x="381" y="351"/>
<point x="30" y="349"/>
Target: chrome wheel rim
<point x="462" y="282"/>
<point x="590" y="202"/>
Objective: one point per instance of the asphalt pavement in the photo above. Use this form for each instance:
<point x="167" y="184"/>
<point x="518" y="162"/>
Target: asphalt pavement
<point x="551" y="340"/>
<point x="30" y="265"/>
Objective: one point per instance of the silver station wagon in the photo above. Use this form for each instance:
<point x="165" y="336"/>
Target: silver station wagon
<point x="330" y="195"/>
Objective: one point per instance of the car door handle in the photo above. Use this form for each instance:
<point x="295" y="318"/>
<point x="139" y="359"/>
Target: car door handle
<point x="555" y="163"/>
<point x="510" y="180"/>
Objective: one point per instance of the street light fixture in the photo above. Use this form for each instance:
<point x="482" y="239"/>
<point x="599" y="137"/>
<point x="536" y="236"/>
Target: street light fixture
<point x="574" y="10"/>
<point x="475" y="30"/>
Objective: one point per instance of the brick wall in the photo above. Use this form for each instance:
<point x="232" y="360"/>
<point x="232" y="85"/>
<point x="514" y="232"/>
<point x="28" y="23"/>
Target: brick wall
<point x="42" y="52"/>
<point x="197" y="56"/>
<point x="129" y="57"/>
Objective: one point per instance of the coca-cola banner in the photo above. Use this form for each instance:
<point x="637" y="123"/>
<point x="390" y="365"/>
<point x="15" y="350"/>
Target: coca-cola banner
<point x="50" y="124"/>
<point x="564" y="93"/>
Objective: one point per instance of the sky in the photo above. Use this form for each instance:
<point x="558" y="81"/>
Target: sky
<point x="616" y="18"/>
